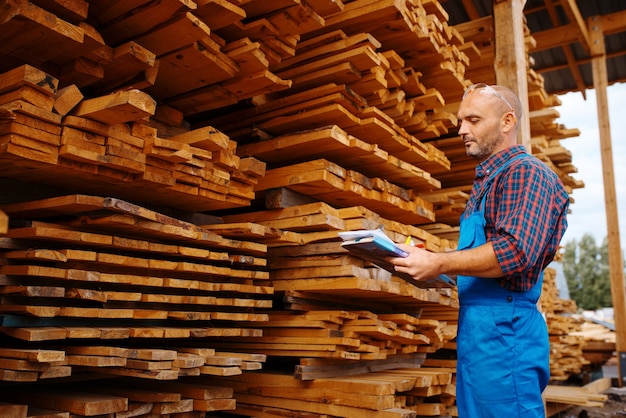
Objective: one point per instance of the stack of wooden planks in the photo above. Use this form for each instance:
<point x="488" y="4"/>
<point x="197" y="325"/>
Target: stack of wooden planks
<point x="201" y="58"/>
<point x="394" y="394"/>
<point x="120" y="276"/>
<point x="599" y="342"/>
<point x="566" y="354"/>
<point x="104" y="284"/>
<point x="563" y="397"/>
<point x="119" y="397"/>
<point x="104" y="148"/>
<point x="177" y="174"/>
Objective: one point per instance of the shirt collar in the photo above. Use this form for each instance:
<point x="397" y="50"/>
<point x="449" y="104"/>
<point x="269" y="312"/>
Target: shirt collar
<point x="493" y="162"/>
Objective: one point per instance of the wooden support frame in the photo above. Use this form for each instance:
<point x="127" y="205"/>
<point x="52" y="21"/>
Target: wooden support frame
<point x="616" y="262"/>
<point x="511" y="57"/>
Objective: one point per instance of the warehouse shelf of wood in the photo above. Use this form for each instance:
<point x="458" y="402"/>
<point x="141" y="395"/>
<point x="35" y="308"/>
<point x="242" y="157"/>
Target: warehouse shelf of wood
<point x="179" y="172"/>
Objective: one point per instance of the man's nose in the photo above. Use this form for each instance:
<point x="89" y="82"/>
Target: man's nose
<point x="463" y="129"/>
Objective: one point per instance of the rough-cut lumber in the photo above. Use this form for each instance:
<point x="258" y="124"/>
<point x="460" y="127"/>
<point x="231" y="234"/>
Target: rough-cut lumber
<point x="333" y="184"/>
<point x="192" y="67"/>
<point x="342" y="149"/>
<point x="30" y="76"/>
<point x="28" y="31"/>
<point x="117" y="108"/>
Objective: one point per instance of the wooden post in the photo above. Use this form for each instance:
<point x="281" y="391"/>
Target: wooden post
<point x="510" y="64"/>
<point x="616" y="262"/>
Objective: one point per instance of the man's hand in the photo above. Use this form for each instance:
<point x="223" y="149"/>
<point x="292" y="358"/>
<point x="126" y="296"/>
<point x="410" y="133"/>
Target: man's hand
<point x="421" y="264"/>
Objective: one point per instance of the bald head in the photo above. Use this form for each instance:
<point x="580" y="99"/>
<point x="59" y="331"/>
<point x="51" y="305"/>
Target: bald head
<point x="488" y="118"/>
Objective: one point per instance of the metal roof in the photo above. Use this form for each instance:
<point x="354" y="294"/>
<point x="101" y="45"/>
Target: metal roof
<point x="560" y="54"/>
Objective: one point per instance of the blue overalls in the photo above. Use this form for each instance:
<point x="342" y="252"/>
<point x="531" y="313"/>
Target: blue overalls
<point x="502" y="341"/>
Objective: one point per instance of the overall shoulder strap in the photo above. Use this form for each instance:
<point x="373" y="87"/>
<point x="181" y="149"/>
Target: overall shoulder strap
<point x="492" y="177"/>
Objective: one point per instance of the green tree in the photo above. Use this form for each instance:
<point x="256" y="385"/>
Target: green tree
<point x="586" y="269"/>
<point x="569" y="263"/>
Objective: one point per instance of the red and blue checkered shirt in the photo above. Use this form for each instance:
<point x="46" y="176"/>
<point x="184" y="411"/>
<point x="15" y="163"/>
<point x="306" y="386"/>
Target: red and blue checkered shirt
<point x="526" y="214"/>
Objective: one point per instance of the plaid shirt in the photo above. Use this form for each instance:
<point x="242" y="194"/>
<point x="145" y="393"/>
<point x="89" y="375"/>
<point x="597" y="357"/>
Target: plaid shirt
<point x="525" y="212"/>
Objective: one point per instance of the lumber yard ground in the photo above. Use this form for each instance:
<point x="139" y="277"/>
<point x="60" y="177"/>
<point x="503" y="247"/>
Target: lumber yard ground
<point x="614" y="407"/>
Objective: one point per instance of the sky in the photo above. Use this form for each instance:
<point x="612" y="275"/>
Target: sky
<point x="588" y="214"/>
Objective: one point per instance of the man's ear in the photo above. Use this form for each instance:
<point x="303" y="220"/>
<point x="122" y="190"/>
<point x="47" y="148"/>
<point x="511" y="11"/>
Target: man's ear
<point x="509" y="121"/>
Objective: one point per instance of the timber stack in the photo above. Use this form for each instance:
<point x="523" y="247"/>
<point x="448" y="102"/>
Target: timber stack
<point x="599" y="343"/>
<point x="566" y="347"/>
<point x="176" y="176"/>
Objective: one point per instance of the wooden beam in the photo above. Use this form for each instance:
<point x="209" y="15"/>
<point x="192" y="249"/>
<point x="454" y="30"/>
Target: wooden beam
<point x="616" y="262"/>
<point x="573" y="14"/>
<point x="555" y="37"/>
<point x="580" y="62"/>
<point x="511" y="59"/>
<point x="567" y="50"/>
<point x="471" y="10"/>
<point x="568" y="34"/>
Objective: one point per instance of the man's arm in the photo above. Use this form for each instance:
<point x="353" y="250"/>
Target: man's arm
<point x="480" y="261"/>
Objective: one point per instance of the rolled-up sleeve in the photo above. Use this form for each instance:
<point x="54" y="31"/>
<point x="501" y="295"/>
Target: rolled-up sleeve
<point x="528" y="213"/>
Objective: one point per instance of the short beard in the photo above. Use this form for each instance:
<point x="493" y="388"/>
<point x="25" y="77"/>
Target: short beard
<point x="481" y="152"/>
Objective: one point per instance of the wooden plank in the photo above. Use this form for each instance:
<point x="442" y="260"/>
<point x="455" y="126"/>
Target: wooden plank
<point x="250" y="85"/>
<point x="23" y="107"/>
<point x="120" y="107"/>
<point x="27" y="75"/>
<point x="321" y="408"/>
<point x="33" y="355"/>
<point x="204" y="99"/>
<point x="82" y="72"/>
<point x="73" y="11"/>
<point x="177" y="32"/>
<point x="165" y="408"/>
<point x="132" y="66"/>
<point x="81" y="146"/>
<point x="297" y="19"/>
<point x="95" y="361"/>
<point x="75" y="204"/>
<point x="294" y="103"/>
<point x="18" y="376"/>
<point x="248" y="56"/>
<point x="573" y="396"/>
<point x="206" y="138"/>
<point x="135" y="394"/>
<point x="31" y="32"/>
<point x="219" y="13"/>
<point x="331" y="183"/>
<point x="188" y="360"/>
<point x="139" y="20"/>
<point x="81" y="403"/>
<point x="342" y="149"/>
<point x="36" y="334"/>
<point x="215" y="404"/>
<point x="34" y="291"/>
<point x="8" y="129"/>
<point x="329" y="395"/>
<point x="34" y="123"/>
<point x="191" y="68"/>
<point x="30" y="95"/>
<point x="142" y="374"/>
<point x="66" y="99"/>
<point x="55" y="206"/>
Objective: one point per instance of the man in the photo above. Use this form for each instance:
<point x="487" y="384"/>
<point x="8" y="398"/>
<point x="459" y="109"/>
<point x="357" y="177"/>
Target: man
<point x="510" y="231"/>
